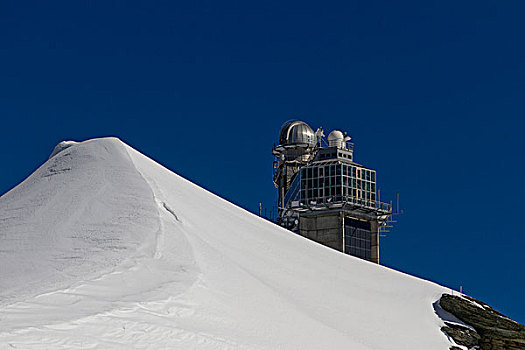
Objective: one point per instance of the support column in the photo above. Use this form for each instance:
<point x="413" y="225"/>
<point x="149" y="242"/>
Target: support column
<point x="374" y="239"/>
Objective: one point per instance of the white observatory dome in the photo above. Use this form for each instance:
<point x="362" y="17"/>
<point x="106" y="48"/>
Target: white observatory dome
<point x="297" y="133"/>
<point x="337" y="139"/>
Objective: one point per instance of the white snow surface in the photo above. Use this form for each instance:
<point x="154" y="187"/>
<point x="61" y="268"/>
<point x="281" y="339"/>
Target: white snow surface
<point x="103" y="248"/>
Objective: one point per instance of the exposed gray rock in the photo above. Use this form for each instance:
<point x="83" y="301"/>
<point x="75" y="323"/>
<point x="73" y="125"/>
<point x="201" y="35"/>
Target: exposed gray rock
<point x="492" y="330"/>
<point x="462" y="335"/>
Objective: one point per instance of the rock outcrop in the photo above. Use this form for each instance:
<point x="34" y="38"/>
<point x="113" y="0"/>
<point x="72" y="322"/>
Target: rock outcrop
<point x="490" y="330"/>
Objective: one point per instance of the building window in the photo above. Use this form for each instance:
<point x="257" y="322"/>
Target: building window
<point x="358" y="238"/>
<point x="329" y="183"/>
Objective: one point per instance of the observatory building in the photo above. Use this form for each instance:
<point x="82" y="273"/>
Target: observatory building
<point x="324" y="195"/>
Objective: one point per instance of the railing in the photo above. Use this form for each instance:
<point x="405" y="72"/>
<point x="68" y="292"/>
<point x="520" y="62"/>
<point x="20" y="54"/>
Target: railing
<point x="349" y="145"/>
<point x="324" y="202"/>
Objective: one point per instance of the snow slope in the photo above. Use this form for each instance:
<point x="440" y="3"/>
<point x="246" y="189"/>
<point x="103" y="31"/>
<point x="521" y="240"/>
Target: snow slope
<point x="102" y="248"/>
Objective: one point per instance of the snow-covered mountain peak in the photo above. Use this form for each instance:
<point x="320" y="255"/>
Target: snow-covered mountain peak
<point x="104" y="248"/>
<point x="62" y="146"/>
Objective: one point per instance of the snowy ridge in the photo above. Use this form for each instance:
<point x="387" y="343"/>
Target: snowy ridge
<point x="102" y="248"/>
<point x="61" y="146"/>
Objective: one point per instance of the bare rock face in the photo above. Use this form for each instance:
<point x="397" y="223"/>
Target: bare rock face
<point x="492" y="330"/>
<point x="462" y="335"/>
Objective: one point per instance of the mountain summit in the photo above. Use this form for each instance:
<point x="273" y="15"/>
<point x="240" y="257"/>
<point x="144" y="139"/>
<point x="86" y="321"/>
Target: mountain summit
<point x="103" y="248"/>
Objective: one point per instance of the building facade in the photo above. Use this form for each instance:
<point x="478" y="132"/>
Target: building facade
<point x="324" y="195"/>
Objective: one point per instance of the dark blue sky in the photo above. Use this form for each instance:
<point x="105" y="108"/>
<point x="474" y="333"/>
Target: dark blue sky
<point x="432" y="93"/>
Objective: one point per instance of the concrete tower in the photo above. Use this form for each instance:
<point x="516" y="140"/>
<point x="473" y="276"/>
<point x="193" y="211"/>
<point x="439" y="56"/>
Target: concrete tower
<point x="324" y="195"/>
